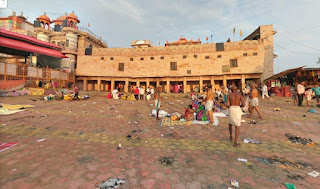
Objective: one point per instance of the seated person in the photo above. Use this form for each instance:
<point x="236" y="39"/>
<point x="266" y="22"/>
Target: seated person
<point x="188" y="113"/>
<point x="115" y="94"/>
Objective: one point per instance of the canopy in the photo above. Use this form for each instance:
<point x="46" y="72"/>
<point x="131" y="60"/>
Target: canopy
<point x="27" y="47"/>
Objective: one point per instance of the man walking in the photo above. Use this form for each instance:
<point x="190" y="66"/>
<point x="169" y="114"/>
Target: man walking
<point x="300" y="93"/>
<point x="265" y="91"/>
<point x="316" y="90"/>
<point x="209" y="103"/>
<point x="254" y="101"/>
<point x="157" y="100"/>
<point x="141" y="93"/>
<point x="235" y="113"/>
<point x="136" y="93"/>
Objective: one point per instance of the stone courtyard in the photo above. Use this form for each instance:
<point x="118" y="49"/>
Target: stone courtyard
<point x="82" y="139"/>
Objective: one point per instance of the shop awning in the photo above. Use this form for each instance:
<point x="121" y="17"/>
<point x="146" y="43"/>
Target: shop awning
<point x="276" y="76"/>
<point x="27" y="47"/>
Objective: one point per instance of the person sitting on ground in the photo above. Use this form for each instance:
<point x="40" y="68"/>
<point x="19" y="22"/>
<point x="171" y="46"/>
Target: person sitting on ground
<point x="254" y="101"/>
<point x="115" y="94"/>
<point x="157" y="101"/>
<point x="235" y="113"/>
<point x="188" y="113"/>
<point x="76" y="93"/>
<point x="316" y="90"/>
<point x="308" y="95"/>
<point x="208" y="101"/>
<point x="136" y="93"/>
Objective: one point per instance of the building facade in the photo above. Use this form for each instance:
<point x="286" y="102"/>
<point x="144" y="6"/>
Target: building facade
<point x="186" y="64"/>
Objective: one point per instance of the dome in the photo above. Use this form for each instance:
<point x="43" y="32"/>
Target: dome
<point x="73" y="16"/>
<point x="61" y="18"/>
<point x="44" y="17"/>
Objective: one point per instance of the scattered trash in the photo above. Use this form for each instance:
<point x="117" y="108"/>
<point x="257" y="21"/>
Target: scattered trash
<point x="314" y="174"/>
<point x="243" y="121"/>
<point x="41" y="140"/>
<point x="119" y="147"/>
<point x="252" y="141"/>
<point x="304" y="116"/>
<point x="295" y="177"/>
<point x="83" y="105"/>
<point x="135" y="122"/>
<point x="5" y="146"/>
<point x="14" y="169"/>
<point x="166" y="161"/>
<point x="101" y="111"/>
<point x="80" y="133"/>
<point x="264" y="131"/>
<point x="4" y="124"/>
<point x="128" y="137"/>
<point x="94" y="103"/>
<point x="146" y="141"/>
<point x="290" y="186"/>
<point x="84" y="112"/>
<point x="70" y="111"/>
<point x="282" y="162"/>
<point x="298" y="140"/>
<point x="161" y="135"/>
<point x="111" y="183"/>
<point x="171" y="127"/>
<point x="234" y="183"/>
<point x="252" y="122"/>
<point x="242" y="160"/>
<point x="312" y="111"/>
<point x="296" y="123"/>
<point x="277" y="109"/>
<point x="43" y="115"/>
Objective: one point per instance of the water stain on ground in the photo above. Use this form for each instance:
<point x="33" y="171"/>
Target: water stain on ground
<point x="86" y="159"/>
<point x="166" y="161"/>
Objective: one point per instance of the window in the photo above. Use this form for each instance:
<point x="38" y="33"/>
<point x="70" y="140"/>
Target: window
<point x="195" y="56"/>
<point x="141" y="58"/>
<point x="151" y="58"/>
<point x="111" y="58"/>
<point x="219" y="56"/>
<point x="255" y="54"/>
<point x="102" y="58"/>
<point x="131" y="59"/>
<point x="162" y="57"/>
<point x="245" y="54"/>
<point x="207" y="57"/>
<point x="233" y="63"/>
<point x="67" y="43"/>
<point x="184" y="56"/>
<point x="188" y="71"/>
<point x="121" y="67"/>
<point x="173" y="65"/>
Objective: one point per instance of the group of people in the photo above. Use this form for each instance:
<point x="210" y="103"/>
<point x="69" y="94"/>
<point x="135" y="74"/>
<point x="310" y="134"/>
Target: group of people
<point x="141" y="94"/>
<point x="300" y="92"/>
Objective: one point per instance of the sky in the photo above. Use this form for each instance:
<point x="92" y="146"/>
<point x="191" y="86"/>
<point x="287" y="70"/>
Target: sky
<point x="297" y="42"/>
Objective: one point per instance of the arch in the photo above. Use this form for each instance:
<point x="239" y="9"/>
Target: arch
<point x="90" y="46"/>
<point x="53" y="42"/>
<point x="42" y="24"/>
<point x="71" y="24"/>
<point x="47" y="24"/>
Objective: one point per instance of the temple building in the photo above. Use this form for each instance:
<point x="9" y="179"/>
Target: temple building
<point x="180" y="66"/>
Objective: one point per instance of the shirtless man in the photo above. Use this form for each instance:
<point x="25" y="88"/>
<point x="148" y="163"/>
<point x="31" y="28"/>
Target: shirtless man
<point x="209" y="103"/>
<point x="254" y="101"/>
<point x="235" y="113"/>
<point x="157" y="100"/>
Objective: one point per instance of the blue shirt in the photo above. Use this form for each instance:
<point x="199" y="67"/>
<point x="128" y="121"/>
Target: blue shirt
<point x="316" y="90"/>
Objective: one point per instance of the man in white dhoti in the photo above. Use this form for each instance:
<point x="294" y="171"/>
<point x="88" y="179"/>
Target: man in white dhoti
<point x="235" y="113"/>
<point x="208" y="101"/>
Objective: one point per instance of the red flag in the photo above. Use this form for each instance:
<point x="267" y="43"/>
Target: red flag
<point x="207" y="38"/>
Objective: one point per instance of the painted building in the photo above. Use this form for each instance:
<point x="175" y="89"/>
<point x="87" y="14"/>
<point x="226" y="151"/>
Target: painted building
<point x="185" y="63"/>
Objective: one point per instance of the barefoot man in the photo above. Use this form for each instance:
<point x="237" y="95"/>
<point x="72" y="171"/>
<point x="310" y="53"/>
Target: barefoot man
<point x="254" y="101"/>
<point x="209" y="103"/>
<point x="157" y="101"/>
<point x="235" y="113"/>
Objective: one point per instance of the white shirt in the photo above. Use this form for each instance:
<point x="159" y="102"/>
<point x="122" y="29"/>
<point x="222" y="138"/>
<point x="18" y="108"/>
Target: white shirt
<point x="141" y="91"/>
<point x="114" y="92"/>
<point x="148" y="90"/>
<point x="265" y="89"/>
<point x="152" y="91"/>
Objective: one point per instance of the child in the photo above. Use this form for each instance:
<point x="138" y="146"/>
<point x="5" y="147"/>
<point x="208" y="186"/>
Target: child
<point x="294" y="95"/>
<point x="308" y="94"/>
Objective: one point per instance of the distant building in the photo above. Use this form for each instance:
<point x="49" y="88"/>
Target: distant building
<point x="182" y="65"/>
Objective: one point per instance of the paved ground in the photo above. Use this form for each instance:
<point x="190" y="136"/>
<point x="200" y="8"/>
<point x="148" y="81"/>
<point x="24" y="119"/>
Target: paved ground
<point x="203" y="156"/>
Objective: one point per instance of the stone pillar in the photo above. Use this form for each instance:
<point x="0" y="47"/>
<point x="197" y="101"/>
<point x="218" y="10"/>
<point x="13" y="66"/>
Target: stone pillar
<point x="99" y="84"/>
<point x="148" y="83"/>
<point x="243" y="81"/>
<point x="126" y="85"/>
<point x="168" y="85"/>
<point x="138" y="83"/>
<point x="184" y="85"/>
<point x="212" y="83"/>
<point x="201" y="84"/>
<point x="225" y="81"/>
<point x="112" y="84"/>
<point x="158" y="82"/>
<point x="85" y="84"/>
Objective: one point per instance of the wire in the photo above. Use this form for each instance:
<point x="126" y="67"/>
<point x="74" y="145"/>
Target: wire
<point x="298" y="42"/>
<point x="295" y="51"/>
